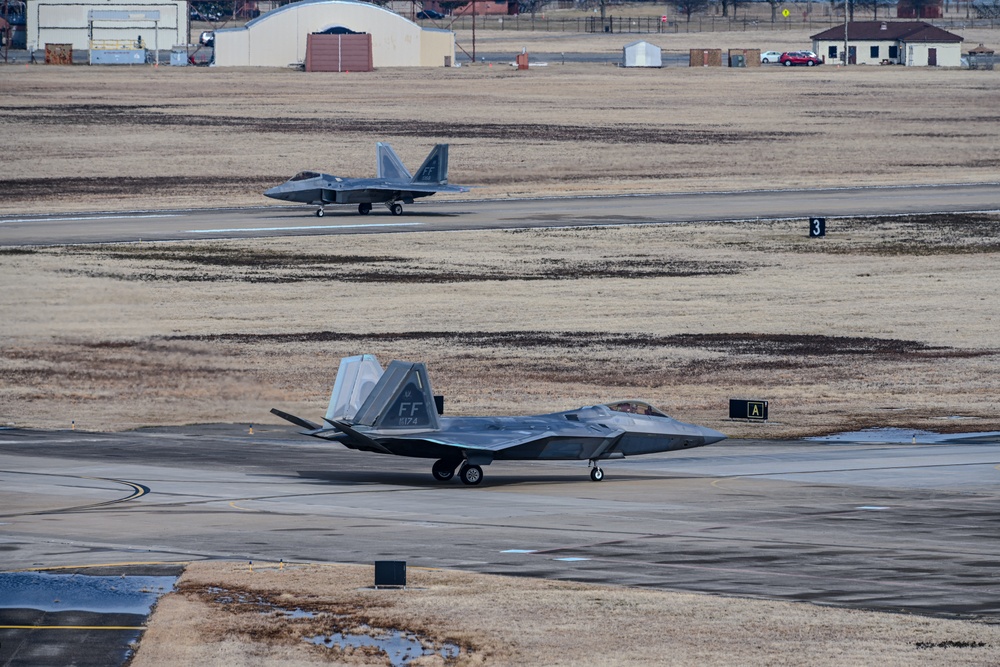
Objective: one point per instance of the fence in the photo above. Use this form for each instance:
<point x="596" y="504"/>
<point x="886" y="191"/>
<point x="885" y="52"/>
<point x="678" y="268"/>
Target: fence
<point x="652" y="24"/>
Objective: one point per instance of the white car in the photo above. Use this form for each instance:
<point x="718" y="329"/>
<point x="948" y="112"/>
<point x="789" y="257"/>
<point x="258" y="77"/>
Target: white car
<point x="770" y="56"/>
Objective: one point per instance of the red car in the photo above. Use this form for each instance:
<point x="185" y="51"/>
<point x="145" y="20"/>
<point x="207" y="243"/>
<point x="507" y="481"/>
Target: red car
<point x="807" y="58"/>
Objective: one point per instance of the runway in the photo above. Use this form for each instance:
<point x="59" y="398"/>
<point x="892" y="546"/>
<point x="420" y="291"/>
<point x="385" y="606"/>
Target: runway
<point x="439" y="215"/>
<point x="912" y="528"/>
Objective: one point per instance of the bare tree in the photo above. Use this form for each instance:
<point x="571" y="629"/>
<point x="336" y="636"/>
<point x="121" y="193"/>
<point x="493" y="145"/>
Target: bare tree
<point x="987" y="9"/>
<point x="689" y="7"/>
<point x="774" y="9"/>
<point x="728" y="5"/>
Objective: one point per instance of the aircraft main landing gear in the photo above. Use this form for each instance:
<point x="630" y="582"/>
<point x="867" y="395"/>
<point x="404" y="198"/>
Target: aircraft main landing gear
<point x="394" y="207"/>
<point x="443" y="469"/>
<point x="364" y="209"/>
<point x="471" y="475"/>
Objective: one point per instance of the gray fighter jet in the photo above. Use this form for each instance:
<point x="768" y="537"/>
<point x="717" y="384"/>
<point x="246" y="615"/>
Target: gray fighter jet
<point x="393" y="411"/>
<point x="393" y="185"/>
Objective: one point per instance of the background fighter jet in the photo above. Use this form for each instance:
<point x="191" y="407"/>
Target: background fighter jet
<point x="393" y="184"/>
<point x="394" y="412"/>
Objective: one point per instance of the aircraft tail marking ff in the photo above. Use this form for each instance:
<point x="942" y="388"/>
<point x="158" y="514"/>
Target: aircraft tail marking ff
<point x="434" y="170"/>
<point x="402" y="399"/>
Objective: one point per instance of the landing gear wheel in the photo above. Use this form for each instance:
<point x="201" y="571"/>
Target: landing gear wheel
<point x="596" y="474"/>
<point x="397" y="209"/>
<point x="364" y="209"/>
<point x="320" y="213"/>
<point x="471" y="475"/>
<point x="443" y="470"/>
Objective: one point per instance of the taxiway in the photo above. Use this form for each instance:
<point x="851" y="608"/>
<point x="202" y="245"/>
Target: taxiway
<point x="911" y="528"/>
<point x="439" y="215"/>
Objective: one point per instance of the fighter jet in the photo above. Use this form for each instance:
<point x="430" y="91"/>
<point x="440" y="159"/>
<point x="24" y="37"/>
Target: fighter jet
<point x="392" y="184"/>
<point x="394" y="411"/>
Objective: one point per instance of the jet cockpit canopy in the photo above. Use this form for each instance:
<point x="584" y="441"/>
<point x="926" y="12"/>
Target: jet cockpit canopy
<point x="636" y="408"/>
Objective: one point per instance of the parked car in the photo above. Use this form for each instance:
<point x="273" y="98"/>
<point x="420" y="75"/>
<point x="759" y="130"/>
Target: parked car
<point x="770" y="56"/>
<point x="429" y="14"/>
<point x="807" y="58"/>
<point x="207" y="39"/>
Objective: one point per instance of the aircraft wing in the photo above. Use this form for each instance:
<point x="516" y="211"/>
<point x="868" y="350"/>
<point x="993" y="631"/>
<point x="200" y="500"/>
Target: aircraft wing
<point x="415" y="187"/>
<point x="496" y="442"/>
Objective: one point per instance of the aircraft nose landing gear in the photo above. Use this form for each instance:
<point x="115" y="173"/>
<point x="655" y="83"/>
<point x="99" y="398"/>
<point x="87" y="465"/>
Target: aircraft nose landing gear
<point x="471" y="475"/>
<point x="320" y="212"/>
<point x="596" y="474"/>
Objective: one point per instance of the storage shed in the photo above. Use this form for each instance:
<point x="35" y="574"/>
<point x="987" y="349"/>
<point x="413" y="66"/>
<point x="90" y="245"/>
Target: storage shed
<point x="642" y="54"/>
<point x="278" y="38"/>
<point x="339" y="53"/>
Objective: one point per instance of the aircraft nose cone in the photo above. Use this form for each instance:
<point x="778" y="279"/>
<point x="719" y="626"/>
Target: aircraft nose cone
<point x="711" y="435"/>
<point x="274" y="193"/>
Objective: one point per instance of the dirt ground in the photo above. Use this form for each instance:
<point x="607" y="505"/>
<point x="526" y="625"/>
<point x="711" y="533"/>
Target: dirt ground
<point x="224" y="614"/>
<point x="886" y="322"/>
<point x="889" y="322"/>
<point x="87" y="138"/>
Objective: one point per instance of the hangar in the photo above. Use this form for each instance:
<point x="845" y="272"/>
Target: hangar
<point x="160" y="23"/>
<point x="278" y="38"/>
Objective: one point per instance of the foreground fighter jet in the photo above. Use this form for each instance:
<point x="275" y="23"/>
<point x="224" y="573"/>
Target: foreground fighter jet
<point x="394" y="412"/>
<point x="392" y="184"/>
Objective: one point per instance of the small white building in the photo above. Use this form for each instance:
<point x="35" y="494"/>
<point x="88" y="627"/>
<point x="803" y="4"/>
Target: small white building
<point x="278" y="38"/>
<point x="160" y="23"/>
<point x="642" y="54"/>
<point x="913" y="43"/>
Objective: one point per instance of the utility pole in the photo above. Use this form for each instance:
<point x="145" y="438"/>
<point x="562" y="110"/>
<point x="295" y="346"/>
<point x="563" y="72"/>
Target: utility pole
<point x="845" y="32"/>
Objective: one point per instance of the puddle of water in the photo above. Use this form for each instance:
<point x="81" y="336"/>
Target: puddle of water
<point x="901" y="435"/>
<point x="79" y="592"/>
<point x="401" y="647"/>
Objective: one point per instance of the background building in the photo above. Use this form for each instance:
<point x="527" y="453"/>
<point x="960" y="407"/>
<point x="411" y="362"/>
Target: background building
<point x="64" y="22"/>
<point x="913" y="43"/>
<point x="278" y="38"/>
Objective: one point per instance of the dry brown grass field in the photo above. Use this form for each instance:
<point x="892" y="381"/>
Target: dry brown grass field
<point x="81" y="138"/>
<point x="888" y="322"/>
<point x="223" y="614"/>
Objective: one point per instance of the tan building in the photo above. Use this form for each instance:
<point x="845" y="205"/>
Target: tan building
<point x="160" y="23"/>
<point x="912" y="43"/>
<point x="278" y="38"/>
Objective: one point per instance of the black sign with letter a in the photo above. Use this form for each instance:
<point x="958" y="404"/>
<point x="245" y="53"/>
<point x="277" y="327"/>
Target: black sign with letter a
<point x="744" y="409"/>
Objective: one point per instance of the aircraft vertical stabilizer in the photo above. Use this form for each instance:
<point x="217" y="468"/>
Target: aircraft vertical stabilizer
<point x="435" y="167"/>
<point x="402" y="399"/>
<point x="390" y="167"/>
<point x="356" y="378"/>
